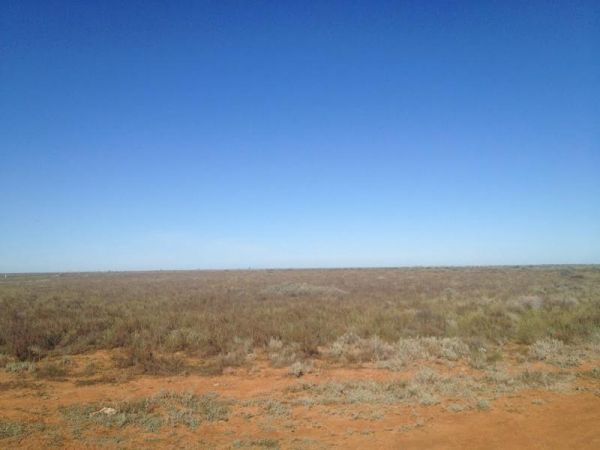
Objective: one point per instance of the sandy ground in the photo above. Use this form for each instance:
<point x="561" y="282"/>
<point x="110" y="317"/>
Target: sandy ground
<point x="531" y="419"/>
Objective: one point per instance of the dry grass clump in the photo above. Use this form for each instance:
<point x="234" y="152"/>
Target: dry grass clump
<point x="184" y="339"/>
<point x="483" y="405"/>
<point x="482" y="355"/>
<point x="427" y="348"/>
<point x="501" y="381"/>
<point x="151" y="413"/>
<point x="300" y="368"/>
<point x="144" y="359"/>
<point x="282" y="355"/>
<point x="551" y="381"/>
<point x="594" y="372"/>
<point x="52" y="370"/>
<point x="269" y="407"/>
<point x="47" y="369"/>
<point x="275" y="408"/>
<point x="562" y="302"/>
<point x="554" y="352"/>
<point x="426" y="388"/>
<point x="527" y="302"/>
<point x="5" y="359"/>
<point x="20" y="367"/>
<point x="536" y="302"/>
<point x="348" y="392"/>
<point x="302" y="290"/>
<point x="255" y="443"/>
<point x="9" y="429"/>
<point x="350" y="348"/>
<point x="238" y="353"/>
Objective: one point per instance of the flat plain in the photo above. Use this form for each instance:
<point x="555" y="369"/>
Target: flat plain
<point x="474" y="357"/>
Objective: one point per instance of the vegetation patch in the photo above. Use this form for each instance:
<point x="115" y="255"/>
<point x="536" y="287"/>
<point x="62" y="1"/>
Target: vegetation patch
<point x="256" y="443"/>
<point x="10" y="429"/>
<point x="282" y="355"/>
<point x="151" y="413"/>
<point x="143" y="358"/>
<point x="555" y="352"/>
<point x="407" y="314"/>
<point x="239" y="351"/>
<point x="426" y="388"/>
<point x="594" y="373"/>
<point x="300" y="368"/>
<point x="302" y="290"/>
<point x="503" y="382"/>
<point x="20" y="367"/>
<point x="5" y="359"/>
<point x="51" y="370"/>
<point x="351" y="348"/>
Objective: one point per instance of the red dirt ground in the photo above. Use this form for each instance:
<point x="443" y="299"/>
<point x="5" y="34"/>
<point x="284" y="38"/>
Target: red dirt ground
<point x="523" y="420"/>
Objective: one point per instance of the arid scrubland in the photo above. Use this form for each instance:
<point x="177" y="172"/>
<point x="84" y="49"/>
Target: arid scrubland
<point x="345" y="344"/>
<point x="342" y="315"/>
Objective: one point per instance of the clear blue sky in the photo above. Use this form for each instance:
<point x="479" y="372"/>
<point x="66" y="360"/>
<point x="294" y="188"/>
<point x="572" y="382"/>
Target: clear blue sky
<point x="147" y="135"/>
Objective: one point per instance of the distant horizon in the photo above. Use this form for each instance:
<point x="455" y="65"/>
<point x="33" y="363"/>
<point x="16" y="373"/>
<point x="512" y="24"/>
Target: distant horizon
<point x="281" y="134"/>
<point x="232" y="269"/>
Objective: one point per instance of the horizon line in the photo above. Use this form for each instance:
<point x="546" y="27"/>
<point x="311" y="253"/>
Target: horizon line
<point x="250" y="269"/>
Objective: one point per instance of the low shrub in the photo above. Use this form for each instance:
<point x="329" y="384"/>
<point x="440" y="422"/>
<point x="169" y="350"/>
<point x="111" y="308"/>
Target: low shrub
<point x="300" y="368"/>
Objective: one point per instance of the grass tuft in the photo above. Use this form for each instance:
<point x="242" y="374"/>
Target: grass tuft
<point x="11" y="429"/>
<point x="151" y="413"/>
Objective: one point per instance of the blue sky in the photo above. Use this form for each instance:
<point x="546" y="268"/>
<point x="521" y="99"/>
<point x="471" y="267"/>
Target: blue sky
<point x="157" y="135"/>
